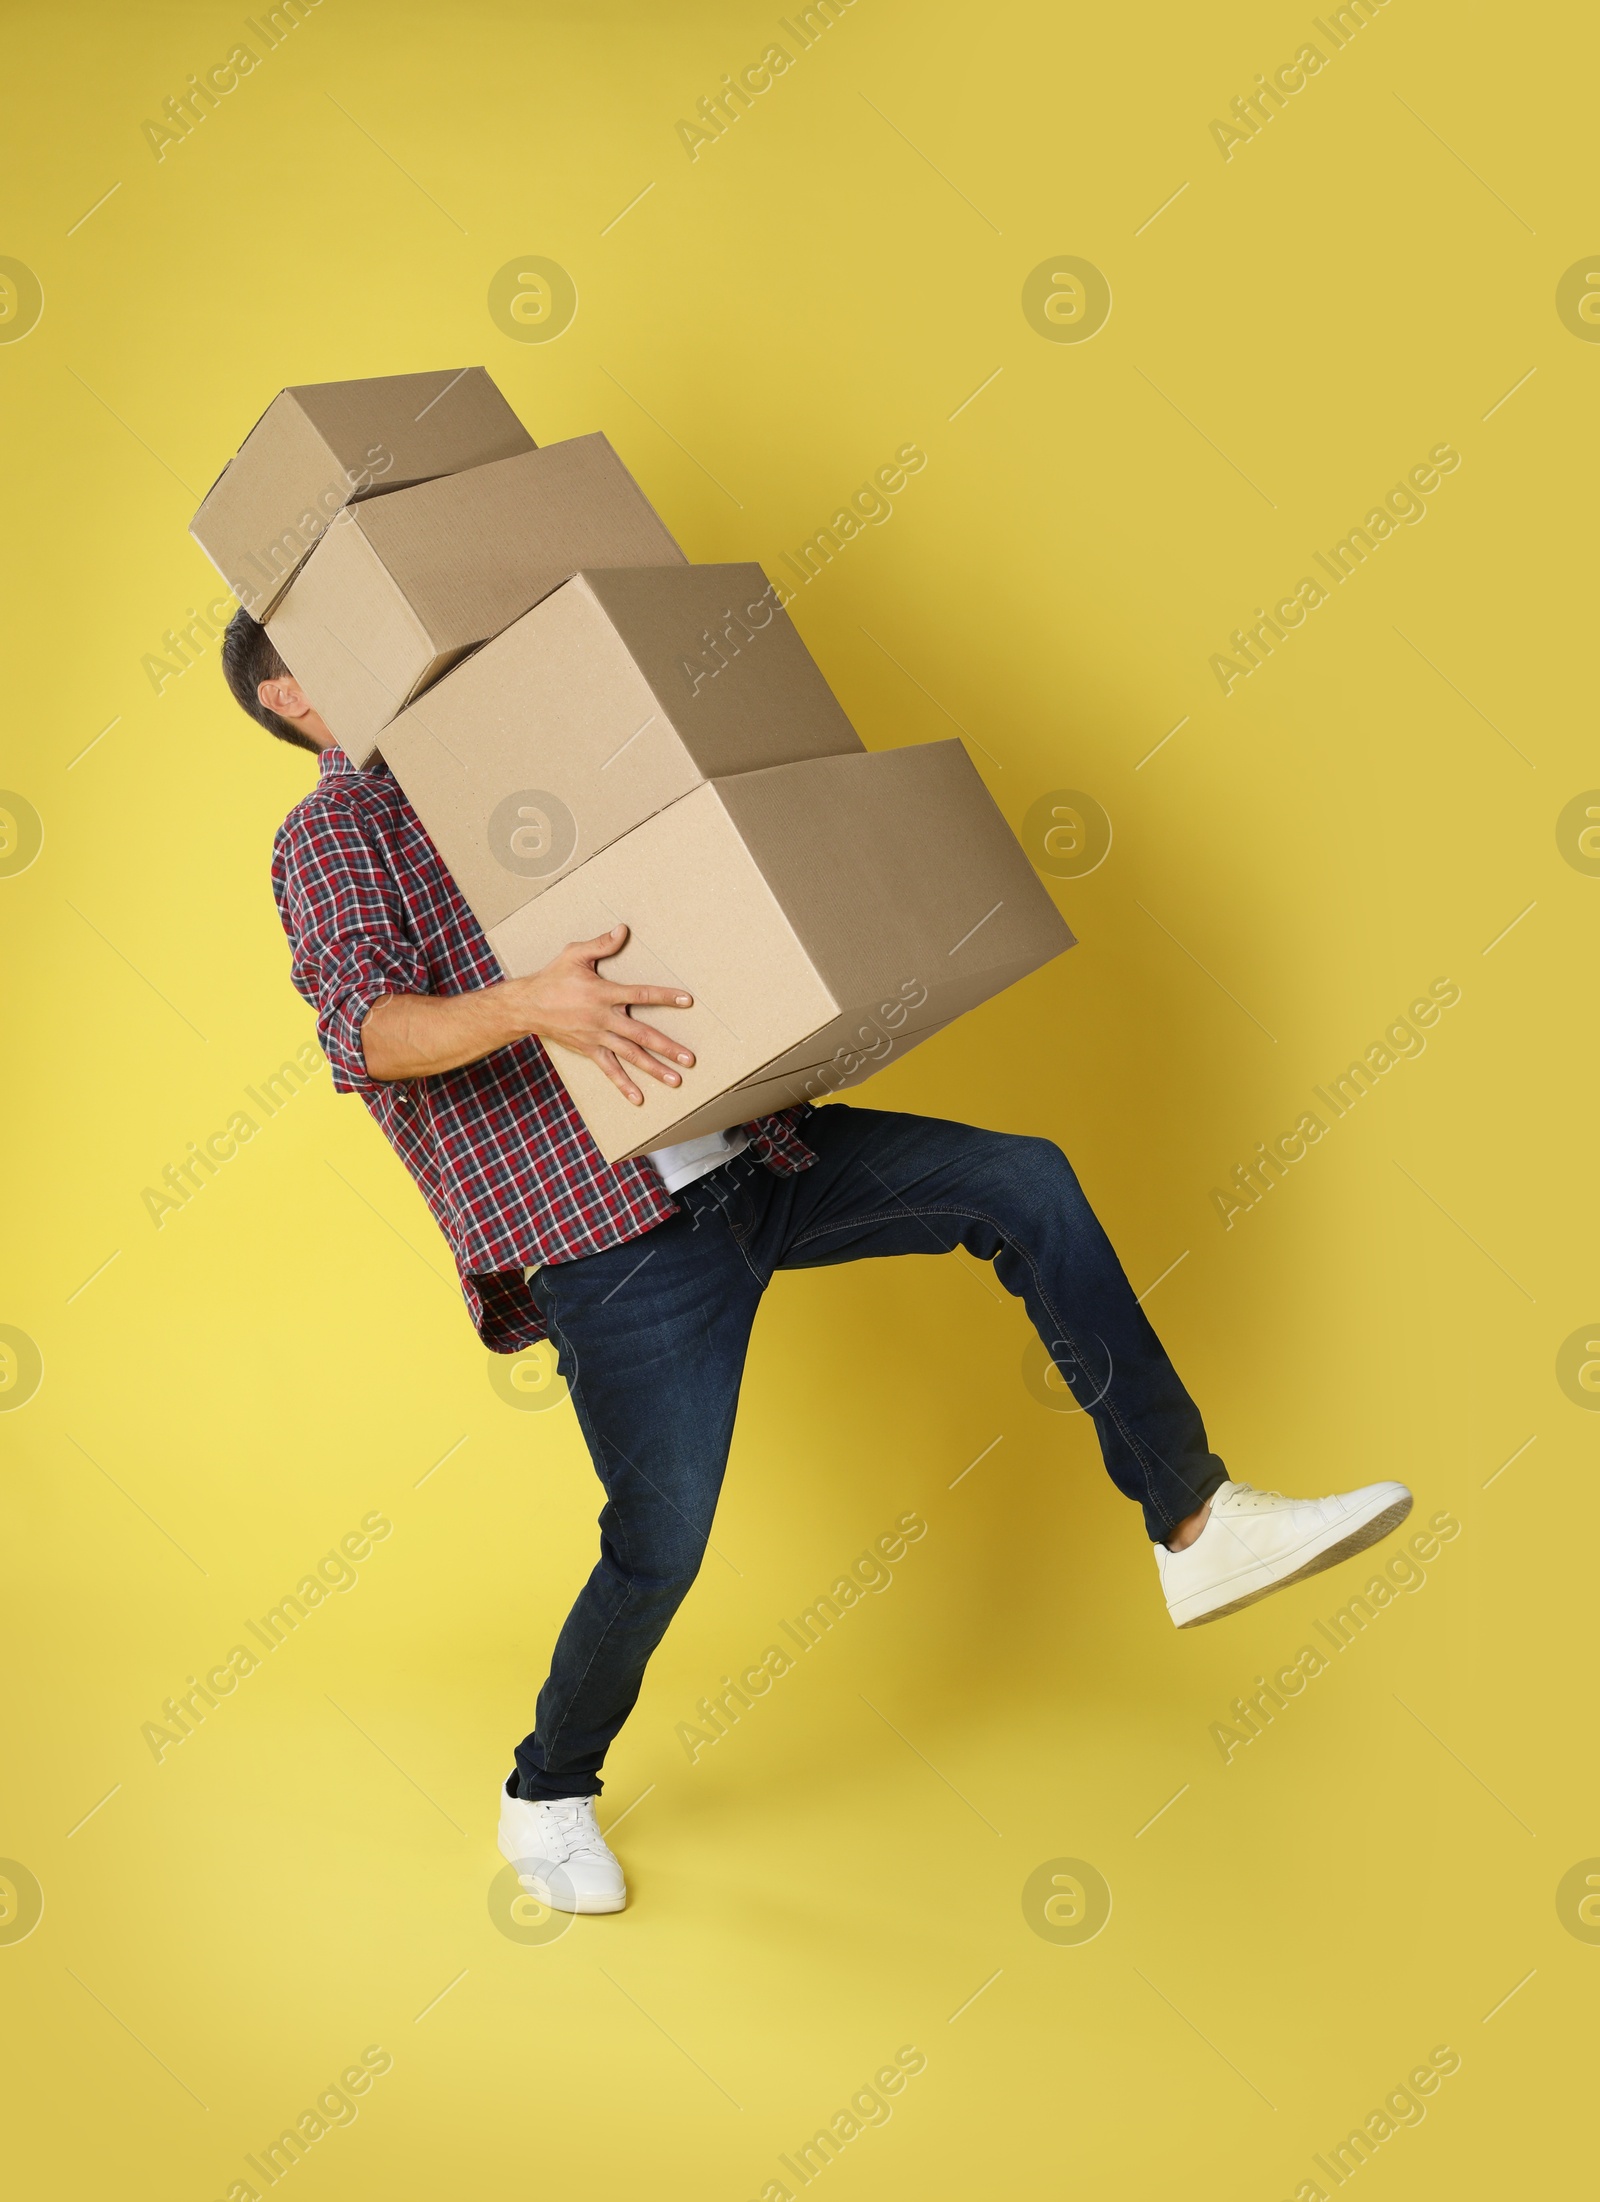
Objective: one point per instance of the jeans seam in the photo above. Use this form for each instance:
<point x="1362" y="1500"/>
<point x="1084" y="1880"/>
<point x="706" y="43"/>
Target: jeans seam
<point x="980" y="1215"/>
<point x="738" y="1238"/>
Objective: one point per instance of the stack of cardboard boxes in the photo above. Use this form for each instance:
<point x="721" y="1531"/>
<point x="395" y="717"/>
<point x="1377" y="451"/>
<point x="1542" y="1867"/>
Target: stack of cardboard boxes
<point x="595" y="732"/>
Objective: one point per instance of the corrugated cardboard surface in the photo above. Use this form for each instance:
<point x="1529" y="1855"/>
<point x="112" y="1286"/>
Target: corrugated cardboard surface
<point x="584" y="700"/>
<point x="554" y="707"/>
<point x="463" y="556"/>
<point x="768" y="1092"/>
<point x="908" y="1010"/>
<point x="849" y="903"/>
<point x="351" y="639"/>
<point x="718" y="652"/>
<point x="902" y="879"/>
<point x="702" y="918"/>
<point x="271" y="503"/>
<point x="274" y="500"/>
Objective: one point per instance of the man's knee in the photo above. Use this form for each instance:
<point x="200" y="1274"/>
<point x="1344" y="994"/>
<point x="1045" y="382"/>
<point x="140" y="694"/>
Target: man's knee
<point x="1034" y="1165"/>
<point x="679" y="1570"/>
<point x="658" y="1570"/>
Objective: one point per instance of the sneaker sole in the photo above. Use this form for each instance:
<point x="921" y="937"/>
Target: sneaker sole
<point x="583" y="1907"/>
<point x="1349" y="1539"/>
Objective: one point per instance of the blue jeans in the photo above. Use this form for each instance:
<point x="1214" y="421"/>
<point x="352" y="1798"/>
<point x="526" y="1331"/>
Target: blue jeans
<point x="651" y="1338"/>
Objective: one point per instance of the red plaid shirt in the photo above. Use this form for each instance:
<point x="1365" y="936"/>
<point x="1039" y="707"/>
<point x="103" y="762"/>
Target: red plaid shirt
<point x="502" y="1156"/>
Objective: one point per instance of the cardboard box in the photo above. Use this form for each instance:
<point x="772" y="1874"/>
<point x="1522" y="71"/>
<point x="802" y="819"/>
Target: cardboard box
<point x="825" y="915"/>
<point x="598" y="708"/>
<point x="407" y="584"/>
<point x="322" y="445"/>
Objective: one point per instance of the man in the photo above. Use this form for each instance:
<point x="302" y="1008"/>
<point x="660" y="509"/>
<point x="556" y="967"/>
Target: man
<point x="646" y="1275"/>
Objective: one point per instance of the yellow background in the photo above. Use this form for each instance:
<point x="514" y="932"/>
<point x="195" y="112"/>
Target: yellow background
<point x="1367" y="813"/>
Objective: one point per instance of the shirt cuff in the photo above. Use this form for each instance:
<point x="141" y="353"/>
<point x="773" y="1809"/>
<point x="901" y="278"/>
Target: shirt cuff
<point x="339" y="1030"/>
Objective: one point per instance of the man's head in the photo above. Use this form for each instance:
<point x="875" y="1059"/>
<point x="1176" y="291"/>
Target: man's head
<point x="264" y="686"/>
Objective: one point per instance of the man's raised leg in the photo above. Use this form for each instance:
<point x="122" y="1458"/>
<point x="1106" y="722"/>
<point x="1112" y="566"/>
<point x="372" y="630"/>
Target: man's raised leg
<point x="890" y="1184"/>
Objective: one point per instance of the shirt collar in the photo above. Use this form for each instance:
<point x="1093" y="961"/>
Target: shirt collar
<point x="334" y="760"/>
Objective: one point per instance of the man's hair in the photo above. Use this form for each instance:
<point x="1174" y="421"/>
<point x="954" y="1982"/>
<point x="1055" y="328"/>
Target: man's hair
<point x="249" y="658"/>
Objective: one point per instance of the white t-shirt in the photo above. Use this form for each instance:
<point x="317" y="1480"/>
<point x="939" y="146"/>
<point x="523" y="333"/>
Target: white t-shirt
<point x="681" y="1165"/>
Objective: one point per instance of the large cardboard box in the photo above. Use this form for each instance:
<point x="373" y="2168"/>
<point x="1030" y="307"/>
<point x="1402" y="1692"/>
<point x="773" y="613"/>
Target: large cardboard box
<point x="825" y="915"/>
<point x="408" y="584"/>
<point x="619" y="693"/>
<point x="322" y="445"/>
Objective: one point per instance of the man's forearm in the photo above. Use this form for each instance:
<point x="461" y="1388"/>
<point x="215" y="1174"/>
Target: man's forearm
<point x="567" y="1004"/>
<point x="419" y="1035"/>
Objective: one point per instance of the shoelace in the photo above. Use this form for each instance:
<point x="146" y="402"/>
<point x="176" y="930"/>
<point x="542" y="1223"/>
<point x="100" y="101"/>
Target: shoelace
<point x="1251" y="1500"/>
<point x="578" y="1835"/>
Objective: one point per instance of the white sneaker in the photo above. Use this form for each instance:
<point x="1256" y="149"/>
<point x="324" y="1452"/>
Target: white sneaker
<point x="560" y="1854"/>
<point x="1255" y="1542"/>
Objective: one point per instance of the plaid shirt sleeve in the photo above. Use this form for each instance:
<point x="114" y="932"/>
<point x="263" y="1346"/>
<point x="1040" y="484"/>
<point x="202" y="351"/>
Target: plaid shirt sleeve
<point x="342" y="911"/>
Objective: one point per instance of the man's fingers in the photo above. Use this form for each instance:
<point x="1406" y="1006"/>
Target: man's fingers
<point x="674" y="1051"/>
<point x="618" y="1076"/>
<point x="611" y="1061"/>
<point x="653" y="997"/>
<point x="603" y="944"/>
<point x="641" y="1060"/>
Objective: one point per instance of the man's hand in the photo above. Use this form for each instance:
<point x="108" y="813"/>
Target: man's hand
<point x="567" y="1004"/>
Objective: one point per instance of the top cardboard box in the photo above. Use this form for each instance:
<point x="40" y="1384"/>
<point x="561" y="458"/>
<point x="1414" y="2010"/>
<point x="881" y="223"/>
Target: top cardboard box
<point x="407" y="584"/>
<point x="621" y="691"/>
<point x="321" y="445"/>
<point x="825" y="915"/>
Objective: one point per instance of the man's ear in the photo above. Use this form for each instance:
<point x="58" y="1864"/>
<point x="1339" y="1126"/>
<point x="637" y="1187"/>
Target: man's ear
<point x="284" y="696"/>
